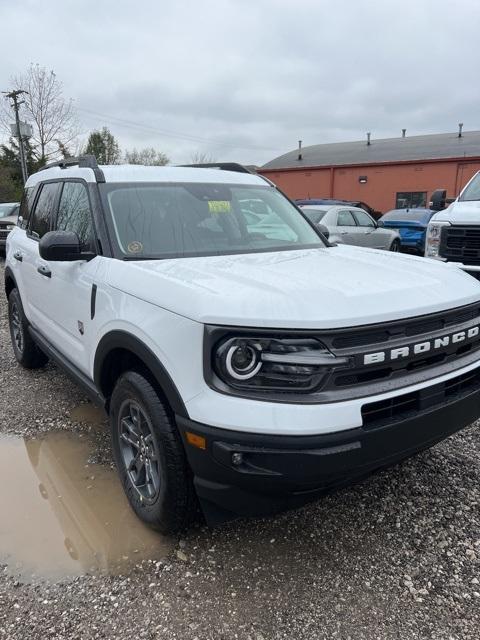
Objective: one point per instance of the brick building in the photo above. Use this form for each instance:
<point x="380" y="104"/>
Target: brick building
<point x="388" y="173"/>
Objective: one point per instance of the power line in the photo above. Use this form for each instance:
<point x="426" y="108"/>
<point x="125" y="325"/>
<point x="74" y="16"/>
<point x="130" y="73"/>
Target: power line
<point x="172" y="134"/>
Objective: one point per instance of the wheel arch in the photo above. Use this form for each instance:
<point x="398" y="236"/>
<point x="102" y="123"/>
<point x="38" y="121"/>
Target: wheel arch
<point x="10" y="282"/>
<point x="119" y="351"/>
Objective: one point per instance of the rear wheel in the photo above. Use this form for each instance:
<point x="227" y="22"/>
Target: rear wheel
<point x="395" y="246"/>
<point x="26" y="351"/>
<point x="150" y="457"/>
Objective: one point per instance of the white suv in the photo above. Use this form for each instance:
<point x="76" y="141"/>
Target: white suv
<point x="247" y="365"/>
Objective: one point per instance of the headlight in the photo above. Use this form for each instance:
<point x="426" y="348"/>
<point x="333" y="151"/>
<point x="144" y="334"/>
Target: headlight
<point x="432" y="241"/>
<point x="269" y="363"/>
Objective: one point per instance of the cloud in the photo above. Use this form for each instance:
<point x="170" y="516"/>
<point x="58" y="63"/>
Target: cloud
<point x="246" y="79"/>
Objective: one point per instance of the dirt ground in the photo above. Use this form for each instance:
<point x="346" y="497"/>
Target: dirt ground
<point x="397" y="556"/>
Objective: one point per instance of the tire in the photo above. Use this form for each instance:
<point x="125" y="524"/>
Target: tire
<point x="158" y="486"/>
<point x="395" y="246"/>
<point x="26" y="351"/>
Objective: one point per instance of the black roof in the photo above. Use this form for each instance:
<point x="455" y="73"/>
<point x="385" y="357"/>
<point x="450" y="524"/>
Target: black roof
<point x="432" y="146"/>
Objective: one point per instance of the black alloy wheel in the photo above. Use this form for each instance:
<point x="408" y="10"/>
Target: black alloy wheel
<point x="139" y="450"/>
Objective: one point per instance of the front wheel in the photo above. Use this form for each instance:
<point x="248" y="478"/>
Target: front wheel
<point x="150" y="457"/>
<point x="395" y="246"/>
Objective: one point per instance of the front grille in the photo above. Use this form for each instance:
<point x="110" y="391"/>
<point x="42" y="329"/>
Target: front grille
<point x="364" y="336"/>
<point x="355" y="343"/>
<point x="4" y="233"/>
<point x="461" y="244"/>
<point x="383" y="412"/>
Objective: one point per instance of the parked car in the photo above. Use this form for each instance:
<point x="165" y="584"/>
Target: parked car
<point x="8" y="219"/>
<point x="352" y="226"/>
<point x="411" y="224"/>
<point x="243" y="372"/>
<point x="453" y="234"/>
<point x="352" y="203"/>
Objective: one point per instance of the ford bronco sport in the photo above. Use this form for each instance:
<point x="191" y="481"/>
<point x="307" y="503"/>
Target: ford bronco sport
<point x="247" y="365"/>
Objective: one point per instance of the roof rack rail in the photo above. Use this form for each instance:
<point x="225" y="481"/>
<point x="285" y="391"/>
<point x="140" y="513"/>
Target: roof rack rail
<point x="83" y="162"/>
<point x="224" y="166"/>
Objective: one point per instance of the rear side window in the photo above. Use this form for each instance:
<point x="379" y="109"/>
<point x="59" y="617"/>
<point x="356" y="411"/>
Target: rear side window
<point x="41" y="218"/>
<point x="74" y="213"/>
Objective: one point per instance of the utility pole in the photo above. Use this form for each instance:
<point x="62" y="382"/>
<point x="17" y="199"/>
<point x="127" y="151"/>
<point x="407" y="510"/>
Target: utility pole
<point x="13" y="95"/>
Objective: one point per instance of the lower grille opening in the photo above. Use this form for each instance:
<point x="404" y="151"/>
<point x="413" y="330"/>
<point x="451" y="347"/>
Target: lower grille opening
<point x="383" y="412"/>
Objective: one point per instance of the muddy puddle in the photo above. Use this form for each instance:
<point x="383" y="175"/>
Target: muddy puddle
<point x="88" y="413"/>
<point x="62" y="517"/>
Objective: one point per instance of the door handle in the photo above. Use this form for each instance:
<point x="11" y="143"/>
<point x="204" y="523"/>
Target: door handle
<point x="18" y="255"/>
<point x="43" y="270"/>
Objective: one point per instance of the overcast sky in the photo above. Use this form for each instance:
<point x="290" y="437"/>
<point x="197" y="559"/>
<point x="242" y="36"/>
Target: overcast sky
<point x="245" y="80"/>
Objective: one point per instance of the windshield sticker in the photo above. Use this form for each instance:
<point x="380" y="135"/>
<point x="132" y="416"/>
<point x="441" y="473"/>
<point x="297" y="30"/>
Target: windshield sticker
<point x="135" y="247"/>
<point x="219" y="206"/>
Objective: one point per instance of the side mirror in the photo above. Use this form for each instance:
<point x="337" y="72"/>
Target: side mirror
<point x="61" y="246"/>
<point x="379" y="223"/>
<point x="438" y="201"/>
<point x="323" y="230"/>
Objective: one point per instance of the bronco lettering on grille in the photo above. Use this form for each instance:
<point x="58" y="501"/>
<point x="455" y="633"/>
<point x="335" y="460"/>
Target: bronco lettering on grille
<point x="421" y="347"/>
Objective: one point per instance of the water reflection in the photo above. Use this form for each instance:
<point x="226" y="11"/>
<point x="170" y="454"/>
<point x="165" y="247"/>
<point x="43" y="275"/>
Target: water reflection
<point x="64" y="517"/>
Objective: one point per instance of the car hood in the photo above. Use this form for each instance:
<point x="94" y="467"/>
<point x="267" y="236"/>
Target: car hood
<point x="8" y="220"/>
<point x="460" y="213"/>
<point x="318" y="288"/>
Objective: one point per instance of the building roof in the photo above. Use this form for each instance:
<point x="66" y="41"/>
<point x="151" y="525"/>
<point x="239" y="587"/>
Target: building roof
<point x="428" y="147"/>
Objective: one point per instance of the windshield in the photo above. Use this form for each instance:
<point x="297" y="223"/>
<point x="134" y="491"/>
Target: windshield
<point x="419" y="215"/>
<point x="472" y="191"/>
<point x="315" y="215"/>
<point x="7" y="210"/>
<point x="182" y="220"/>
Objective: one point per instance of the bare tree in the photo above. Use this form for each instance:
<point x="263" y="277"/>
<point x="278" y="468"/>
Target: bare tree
<point x="48" y="111"/>
<point x="199" y="157"/>
<point x="148" y="156"/>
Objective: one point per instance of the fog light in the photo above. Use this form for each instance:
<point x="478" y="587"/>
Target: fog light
<point x="237" y="459"/>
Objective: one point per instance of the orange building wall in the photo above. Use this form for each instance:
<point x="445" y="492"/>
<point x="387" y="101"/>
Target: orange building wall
<point x="384" y="181"/>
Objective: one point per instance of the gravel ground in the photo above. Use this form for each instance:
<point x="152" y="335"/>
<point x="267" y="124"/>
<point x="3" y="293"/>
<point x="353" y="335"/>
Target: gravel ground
<point x="397" y="556"/>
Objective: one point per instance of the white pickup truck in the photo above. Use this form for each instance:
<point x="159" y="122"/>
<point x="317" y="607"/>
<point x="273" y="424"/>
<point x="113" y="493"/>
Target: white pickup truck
<point x="453" y="235"/>
<point x="247" y="365"/>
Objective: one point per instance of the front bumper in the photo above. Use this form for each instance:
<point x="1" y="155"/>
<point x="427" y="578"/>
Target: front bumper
<point x="413" y="244"/>
<point x="282" y="472"/>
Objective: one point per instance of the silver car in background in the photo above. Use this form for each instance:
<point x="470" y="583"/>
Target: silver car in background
<point x="352" y="225"/>
<point x="8" y="219"/>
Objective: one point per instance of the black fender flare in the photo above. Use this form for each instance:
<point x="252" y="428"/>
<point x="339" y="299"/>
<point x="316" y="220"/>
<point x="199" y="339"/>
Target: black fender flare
<point x="9" y="276"/>
<point x="123" y="340"/>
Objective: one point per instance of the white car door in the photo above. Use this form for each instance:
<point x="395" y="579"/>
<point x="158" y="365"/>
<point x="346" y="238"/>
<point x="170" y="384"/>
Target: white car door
<point x="370" y="235"/>
<point x="346" y="227"/>
<point x="35" y="278"/>
<point x="70" y="297"/>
